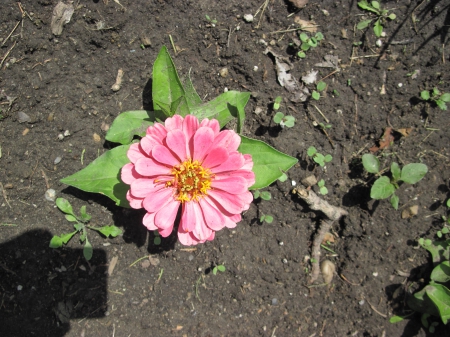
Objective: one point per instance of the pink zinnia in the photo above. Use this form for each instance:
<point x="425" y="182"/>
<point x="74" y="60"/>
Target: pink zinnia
<point x="194" y="165"/>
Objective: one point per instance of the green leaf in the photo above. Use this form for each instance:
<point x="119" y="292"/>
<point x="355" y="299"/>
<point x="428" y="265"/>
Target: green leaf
<point x="276" y="104"/>
<point x="304" y="37"/>
<point x="392" y="16"/>
<point x="108" y="231"/>
<point x="441" y="273"/>
<point x="221" y="268"/>
<point x="268" y="218"/>
<point x="425" y="95"/>
<point x="88" y="250"/>
<point x="396" y="171"/>
<point x="71" y="218"/>
<point x="283" y="177"/>
<point x="256" y="194"/>
<point x="321" y="86"/>
<point x="312" y="42"/>
<point x="319" y="36"/>
<point x="448" y="203"/>
<point x="166" y="86"/>
<point x="84" y="216"/>
<point x="301" y="54"/>
<point x="268" y="163"/>
<point x="382" y="188"/>
<point x="312" y="151"/>
<point x="289" y="121"/>
<point x="278" y="117"/>
<point x="394" y="201"/>
<point x="396" y="319"/>
<point x="319" y="159"/>
<point x="65" y="206"/>
<point x="321" y="183"/>
<point x="412" y="173"/>
<point x="371" y="163"/>
<point x="180" y="107"/>
<point x="439" y="250"/>
<point x="103" y="176"/>
<point x="323" y="190"/>
<point x="365" y="5"/>
<point x="157" y="240"/>
<point x="265" y="195"/>
<point x="59" y="241"/>
<point x="328" y="158"/>
<point x="192" y="98"/>
<point x="440" y="295"/>
<point x="445" y="97"/>
<point x="378" y="28"/>
<point x="315" y="95"/>
<point x="129" y="124"/>
<point x="305" y="46"/>
<point x="224" y="108"/>
<point x="375" y="4"/>
<point x="441" y="104"/>
<point x="363" y="24"/>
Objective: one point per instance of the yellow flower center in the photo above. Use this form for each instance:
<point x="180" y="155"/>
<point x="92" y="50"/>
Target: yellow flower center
<point x="191" y="181"/>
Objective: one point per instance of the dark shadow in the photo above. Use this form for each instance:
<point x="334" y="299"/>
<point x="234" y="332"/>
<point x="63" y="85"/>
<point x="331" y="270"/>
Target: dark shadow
<point x="147" y="100"/>
<point x="358" y="195"/>
<point x="42" y="289"/>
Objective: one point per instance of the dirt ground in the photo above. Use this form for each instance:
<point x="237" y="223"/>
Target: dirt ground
<point x="63" y="83"/>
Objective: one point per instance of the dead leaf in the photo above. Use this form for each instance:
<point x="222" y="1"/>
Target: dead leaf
<point x="62" y="14"/>
<point x="96" y="138"/>
<point x="405" y="132"/>
<point x="384" y="141"/>
<point x="299" y="3"/>
<point x="112" y="265"/>
<point x="331" y="61"/>
<point x="308" y="26"/>
<point x="410" y="212"/>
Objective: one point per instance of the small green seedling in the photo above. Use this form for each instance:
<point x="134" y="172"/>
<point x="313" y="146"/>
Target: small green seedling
<point x="282" y="120"/>
<point x="320" y="87"/>
<point x="265" y="195"/>
<point x="277" y="102"/>
<point x="220" y="268"/>
<point x="385" y="187"/>
<point x="283" y="177"/>
<point x="308" y="43"/>
<point x="157" y="238"/>
<point x="318" y="157"/>
<point x="381" y="16"/>
<point x="437" y="97"/>
<point x="447" y="220"/>
<point x="80" y="227"/>
<point x="266" y="217"/>
<point x="213" y="22"/>
<point x="322" y="189"/>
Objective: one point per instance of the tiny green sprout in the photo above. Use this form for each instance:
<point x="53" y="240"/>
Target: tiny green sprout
<point x="81" y="226"/>
<point x="213" y="22"/>
<point x="349" y="82"/>
<point x="266" y="217"/>
<point x="335" y="93"/>
<point x="385" y="187"/>
<point x="220" y="268"/>
<point x="265" y="195"/>
<point x="276" y="104"/>
<point x="437" y="97"/>
<point x="282" y="120"/>
<point x="318" y="157"/>
<point x="325" y="126"/>
<point x="320" y="87"/>
<point x="142" y="46"/>
<point x="322" y="189"/>
<point x="301" y="54"/>
<point x="309" y="42"/>
<point x="157" y="238"/>
<point x="381" y="16"/>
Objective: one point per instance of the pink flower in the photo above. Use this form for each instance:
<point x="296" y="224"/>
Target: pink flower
<point x="194" y="165"/>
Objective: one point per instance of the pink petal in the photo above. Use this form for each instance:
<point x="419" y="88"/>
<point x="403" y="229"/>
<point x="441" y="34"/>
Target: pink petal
<point x="248" y="162"/>
<point x="165" y="217"/>
<point x="190" y="125"/>
<point x="247" y="199"/>
<point x="230" y="221"/>
<point x="174" y="122"/>
<point x="213" y="124"/>
<point x="149" y="221"/>
<point x="134" y="152"/>
<point x="234" y="162"/>
<point x="176" y="141"/>
<point x="201" y="231"/>
<point x="163" y="155"/>
<point x="223" y="200"/>
<point x="213" y="217"/>
<point x="227" y="139"/>
<point x="149" y="167"/>
<point x="247" y="175"/>
<point x="186" y="238"/>
<point x="187" y="222"/>
<point x="165" y="232"/>
<point x="203" y="139"/>
<point x="142" y="187"/>
<point x="148" y="142"/>
<point x="157" y="200"/>
<point x="157" y="130"/>
<point x="231" y="184"/>
<point x="215" y="157"/>
<point x="128" y="174"/>
<point x="211" y="237"/>
<point x="134" y="202"/>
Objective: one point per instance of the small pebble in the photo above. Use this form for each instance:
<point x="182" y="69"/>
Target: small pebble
<point x="57" y="160"/>
<point x="294" y="183"/>
<point x="255" y="68"/>
<point x="281" y="243"/>
<point x="379" y="43"/>
<point x="66" y="133"/>
<point x="60" y="136"/>
<point x="50" y="194"/>
<point x="361" y="302"/>
<point x="400" y="85"/>
<point x="191" y="257"/>
<point x="248" y="18"/>
<point x="23" y="117"/>
<point x="274" y="301"/>
<point x="285" y="261"/>
<point x="19" y="287"/>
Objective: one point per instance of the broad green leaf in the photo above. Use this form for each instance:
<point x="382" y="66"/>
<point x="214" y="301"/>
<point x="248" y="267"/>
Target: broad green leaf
<point x="179" y="107"/>
<point x="71" y="218"/>
<point x="440" y="295"/>
<point x="166" y="86"/>
<point x="304" y="37"/>
<point x="365" y="5"/>
<point x="221" y="268"/>
<point x="425" y="95"/>
<point x="84" y="216"/>
<point x="414" y="172"/>
<point x="440" y="250"/>
<point x="321" y="86"/>
<point x="224" y="108"/>
<point x="88" y="250"/>
<point x="129" y="124"/>
<point x="268" y="163"/>
<point x="441" y="273"/>
<point x="375" y="4"/>
<point x="64" y="206"/>
<point x="268" y="218"/>
<point x="103" y="176"/>
<point x="445" y="97"/>
<point x="78" y="226"/>
<point x="420" y="302"/>
<point x="394" y="201"/>
<point x="59" y="241"/>
<point x="363" y="24"/>
<point x="382" y="188"/>
<point x="396" y="171"/>
<point x="305" y="46"/>
<point x="377" y="28"/>
<point x="396" y="319"/>
<point x="441" y="104"/>
<point x="112" y="231"/>
<point x="192" y="98"/>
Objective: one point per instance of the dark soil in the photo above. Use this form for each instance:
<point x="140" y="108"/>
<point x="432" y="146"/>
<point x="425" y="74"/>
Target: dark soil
<point x="64" y="83"/>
